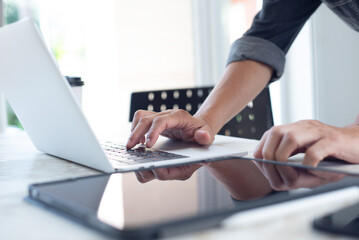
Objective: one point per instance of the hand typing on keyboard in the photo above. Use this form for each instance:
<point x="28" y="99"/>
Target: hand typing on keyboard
<point x="175" y="124"/>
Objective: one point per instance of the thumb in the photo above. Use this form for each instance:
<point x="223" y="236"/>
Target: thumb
<point x="203" y="137"/>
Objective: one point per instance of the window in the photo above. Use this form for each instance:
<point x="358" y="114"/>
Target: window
<point x="240" y="17"/>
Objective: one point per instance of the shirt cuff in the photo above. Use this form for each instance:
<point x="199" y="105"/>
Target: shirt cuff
<point x="260" y="50"/>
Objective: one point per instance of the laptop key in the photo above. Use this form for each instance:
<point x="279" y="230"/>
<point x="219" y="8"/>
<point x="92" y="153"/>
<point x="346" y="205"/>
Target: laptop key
<point x="118" y="153"/>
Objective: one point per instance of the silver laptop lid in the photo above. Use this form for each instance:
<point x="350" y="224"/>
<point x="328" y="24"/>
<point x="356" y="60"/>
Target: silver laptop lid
<point x="42" y="98"/>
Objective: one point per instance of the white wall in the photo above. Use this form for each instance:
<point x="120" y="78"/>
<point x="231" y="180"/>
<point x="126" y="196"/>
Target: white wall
<point x="321" y="78"/>
<point x="336" y="69"/>
<point x="296" y="85"/>
<point x="210" y="33"/>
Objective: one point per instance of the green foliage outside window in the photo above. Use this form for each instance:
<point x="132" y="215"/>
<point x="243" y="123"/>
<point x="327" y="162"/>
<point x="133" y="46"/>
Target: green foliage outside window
<point x="11" y="12"/>
<point x="11" y="15"/>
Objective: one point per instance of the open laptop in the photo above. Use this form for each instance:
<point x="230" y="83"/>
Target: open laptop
<point x="45" y="105"/>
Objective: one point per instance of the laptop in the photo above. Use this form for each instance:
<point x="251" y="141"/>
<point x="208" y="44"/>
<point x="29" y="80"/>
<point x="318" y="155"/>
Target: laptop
<point x="46" y="107"/>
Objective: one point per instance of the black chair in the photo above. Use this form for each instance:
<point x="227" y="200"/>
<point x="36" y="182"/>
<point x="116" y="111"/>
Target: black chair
<point x="250" y="123"/>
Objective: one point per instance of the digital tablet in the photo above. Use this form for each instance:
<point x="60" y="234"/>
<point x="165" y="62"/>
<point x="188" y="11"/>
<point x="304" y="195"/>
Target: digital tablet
<point x="344" y="221"/>
<point x="118" y="205"/>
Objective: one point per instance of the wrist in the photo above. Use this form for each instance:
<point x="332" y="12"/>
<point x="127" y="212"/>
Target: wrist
<point x="208" y="123"/>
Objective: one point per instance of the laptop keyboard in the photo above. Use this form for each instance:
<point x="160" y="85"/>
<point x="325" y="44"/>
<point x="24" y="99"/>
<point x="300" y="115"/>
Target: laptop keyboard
<point x="118" y="154"/>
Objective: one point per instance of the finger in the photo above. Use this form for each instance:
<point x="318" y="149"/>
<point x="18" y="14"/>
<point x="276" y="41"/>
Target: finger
<point x="137" y="136"/>
<point x="286" y="147"/>
<point x="191" y="133"/>
<point x="259" y="148"/>
<point x="138" y="115"/>
<point x="306" y="179"/>
<point x="273" y="140"/>
<point x="318" y="151"/>
<point x="140" y="178"/>
<point x="138" y="133"/>
<point x="274" y="178"/>
<point x="176" y="173"/>
<point x="260" y="167"/>
<point x="146" y="175"/>
<point x="177" y="119"/>
<point x="289" y="175"/>
<point x="301" y="178"/>
<point x="327" y="176"/>
<point x="162" y="174"/>
<point x="170" y="174"/>
<point x="203" y="137"/>
<point x="295" y="140"/>
<point x="140" y="125"/>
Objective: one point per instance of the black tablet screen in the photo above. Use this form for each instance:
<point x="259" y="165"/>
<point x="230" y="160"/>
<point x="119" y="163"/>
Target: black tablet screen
<point x="121" y="201"/>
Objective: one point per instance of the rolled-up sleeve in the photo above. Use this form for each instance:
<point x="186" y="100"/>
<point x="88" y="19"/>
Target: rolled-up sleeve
<point x="258" y="49"/>
<point x="272" y="33"/>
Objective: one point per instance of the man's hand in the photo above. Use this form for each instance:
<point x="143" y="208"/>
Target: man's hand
<point x="176" y="124"/>
<point x="317" y="140"/>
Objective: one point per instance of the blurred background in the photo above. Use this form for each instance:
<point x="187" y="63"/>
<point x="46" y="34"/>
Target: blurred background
<point x="119" y="46"/>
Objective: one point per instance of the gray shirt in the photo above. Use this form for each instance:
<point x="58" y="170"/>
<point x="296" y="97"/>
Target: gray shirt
<point x="276" y="26"/>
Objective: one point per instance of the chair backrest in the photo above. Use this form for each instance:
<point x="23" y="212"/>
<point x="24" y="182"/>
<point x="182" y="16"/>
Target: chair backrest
<point x="251" y="122"/>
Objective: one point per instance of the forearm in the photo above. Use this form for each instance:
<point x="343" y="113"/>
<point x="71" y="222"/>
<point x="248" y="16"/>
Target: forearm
<point x="240" y="84"/>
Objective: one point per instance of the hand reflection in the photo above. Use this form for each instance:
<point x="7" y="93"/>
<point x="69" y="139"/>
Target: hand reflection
<point x="175" y="173"/>
<point x="282" y="178"/>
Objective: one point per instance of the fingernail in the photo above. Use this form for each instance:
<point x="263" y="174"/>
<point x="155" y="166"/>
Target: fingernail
<point x="128" y="144"/>
<point x="148" y="141"/>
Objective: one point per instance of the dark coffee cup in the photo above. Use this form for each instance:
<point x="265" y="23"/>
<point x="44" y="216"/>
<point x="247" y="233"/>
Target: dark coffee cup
<point x="76" y="84"/>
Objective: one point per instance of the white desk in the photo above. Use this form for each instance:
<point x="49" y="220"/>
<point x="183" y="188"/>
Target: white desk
<point x="21" y="164"/>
